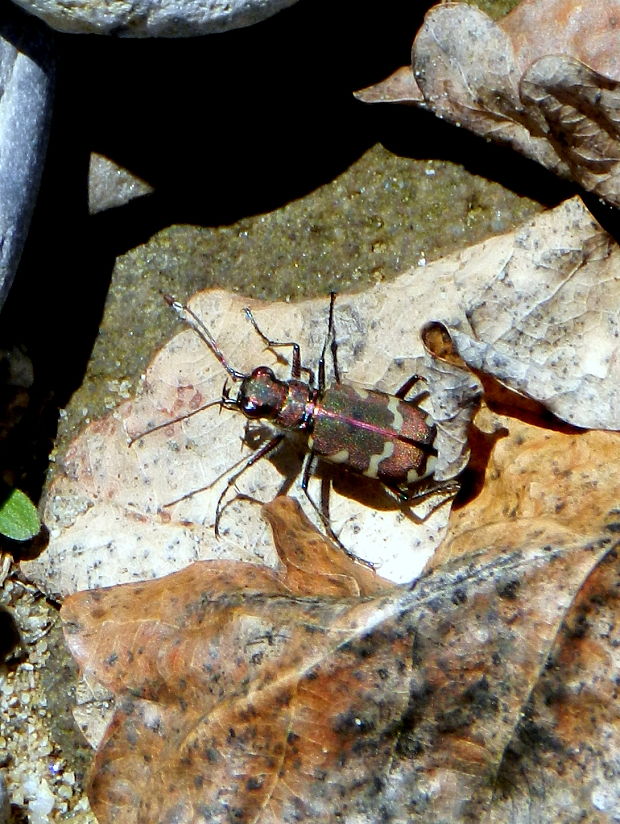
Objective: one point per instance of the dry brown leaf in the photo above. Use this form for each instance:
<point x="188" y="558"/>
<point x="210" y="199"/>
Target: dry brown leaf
<point x="538" y="308"/>
<point x="237" y="698"/>
<point x="537" y="475"/>
<point x="313" y="564"/>
<point x="563" y="753"/>
<point x="310" y="564"/>
<point x="545" y="79"/>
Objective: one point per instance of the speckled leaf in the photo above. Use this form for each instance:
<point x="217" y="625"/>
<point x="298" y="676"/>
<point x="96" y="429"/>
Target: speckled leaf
<point x="537" y="308"/>
<point x="545" y="80"/>
<point x="19" y="518"/>
<point x="543" y="315"/>
<point x="565" y="749"/>
<point x="239" y="696"/>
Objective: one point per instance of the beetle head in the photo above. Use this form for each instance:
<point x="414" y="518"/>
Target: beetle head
<point x="261" y="394"/>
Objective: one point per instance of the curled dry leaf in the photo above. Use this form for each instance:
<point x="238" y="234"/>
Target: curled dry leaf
<point x="312" y="562"/>
<point x="545" y="80"/>
<point x="537" y="308"/>
<point x="535" y="476"/>
<point x="546" y="321"/>
<point x="264" y="696"/>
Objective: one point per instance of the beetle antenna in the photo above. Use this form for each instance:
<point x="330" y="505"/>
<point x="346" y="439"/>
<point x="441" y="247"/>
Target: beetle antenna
<point x="163" y="425"/>
<point x="193" y="321"/>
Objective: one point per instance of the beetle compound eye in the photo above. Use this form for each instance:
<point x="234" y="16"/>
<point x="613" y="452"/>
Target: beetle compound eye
<point x="255" y="407"/>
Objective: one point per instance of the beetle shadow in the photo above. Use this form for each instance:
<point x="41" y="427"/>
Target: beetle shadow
<point x="289" y="458"/>
<point x="372" y="494"/>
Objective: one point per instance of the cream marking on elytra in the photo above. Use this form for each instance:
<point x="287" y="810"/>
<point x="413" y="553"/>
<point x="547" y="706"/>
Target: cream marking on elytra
<point x="393" y="407"/>
<point x="363" y="393"/>
<point x="375" y="460"/>
<point x="431" y="463"/>
<point x="338" y="457"/>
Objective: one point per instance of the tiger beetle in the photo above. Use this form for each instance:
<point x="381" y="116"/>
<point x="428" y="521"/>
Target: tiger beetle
<point x="365" y="431"/>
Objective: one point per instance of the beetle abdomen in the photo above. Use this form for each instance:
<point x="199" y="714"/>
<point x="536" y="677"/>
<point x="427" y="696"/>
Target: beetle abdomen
<point x="374" y="434"/>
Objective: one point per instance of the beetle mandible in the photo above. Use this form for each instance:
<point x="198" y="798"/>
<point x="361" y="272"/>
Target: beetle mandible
<point x="365" y="431"/>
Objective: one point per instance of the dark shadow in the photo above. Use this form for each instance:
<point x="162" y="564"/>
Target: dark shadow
<point x="28" y="35"/>
<point x="603" y="213"/>
<point x="10" y="641"/>
<point x="411" y="132"/>
<point x="237" y="123"/>
<point x="505" y="401"/>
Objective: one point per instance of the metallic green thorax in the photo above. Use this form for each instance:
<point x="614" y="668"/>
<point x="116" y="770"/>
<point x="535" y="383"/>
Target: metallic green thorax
<point x="374" y="434"/>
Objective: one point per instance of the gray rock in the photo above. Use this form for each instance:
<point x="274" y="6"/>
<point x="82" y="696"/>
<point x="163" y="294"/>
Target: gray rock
<point x="110" y="185"/>
<point x="152" y="18"/>
<point x="26" y="85"/>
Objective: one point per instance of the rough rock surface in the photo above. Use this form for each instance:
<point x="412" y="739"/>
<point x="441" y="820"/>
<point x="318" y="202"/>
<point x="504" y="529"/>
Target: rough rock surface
<point x="152" y="18"/>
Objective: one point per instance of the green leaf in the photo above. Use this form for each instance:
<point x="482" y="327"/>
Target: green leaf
<point x="19" y="519"/>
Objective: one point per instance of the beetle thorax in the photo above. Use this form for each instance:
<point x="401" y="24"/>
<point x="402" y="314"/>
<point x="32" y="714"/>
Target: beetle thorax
<point x="288" y="404"/>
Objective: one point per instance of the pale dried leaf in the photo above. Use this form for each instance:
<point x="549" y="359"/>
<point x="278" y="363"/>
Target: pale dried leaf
<point x="111" y="516"/>
<point x="546" y="319"/>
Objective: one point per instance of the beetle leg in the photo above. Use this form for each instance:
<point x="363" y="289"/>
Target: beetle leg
<point x="320" y="510"/>
<point x="296" y="365"/>
<point x="245" y="437"/>
<point x="395" y="491"/>
<point x="323" y="515"/>
<point x="330" y="336"/>
<point x="262" y="452"/>
<point x="305" y="478"/>
<point x="404" y="389"/>
<point x="423" y="490"/>
<point x="332" y="333"/>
